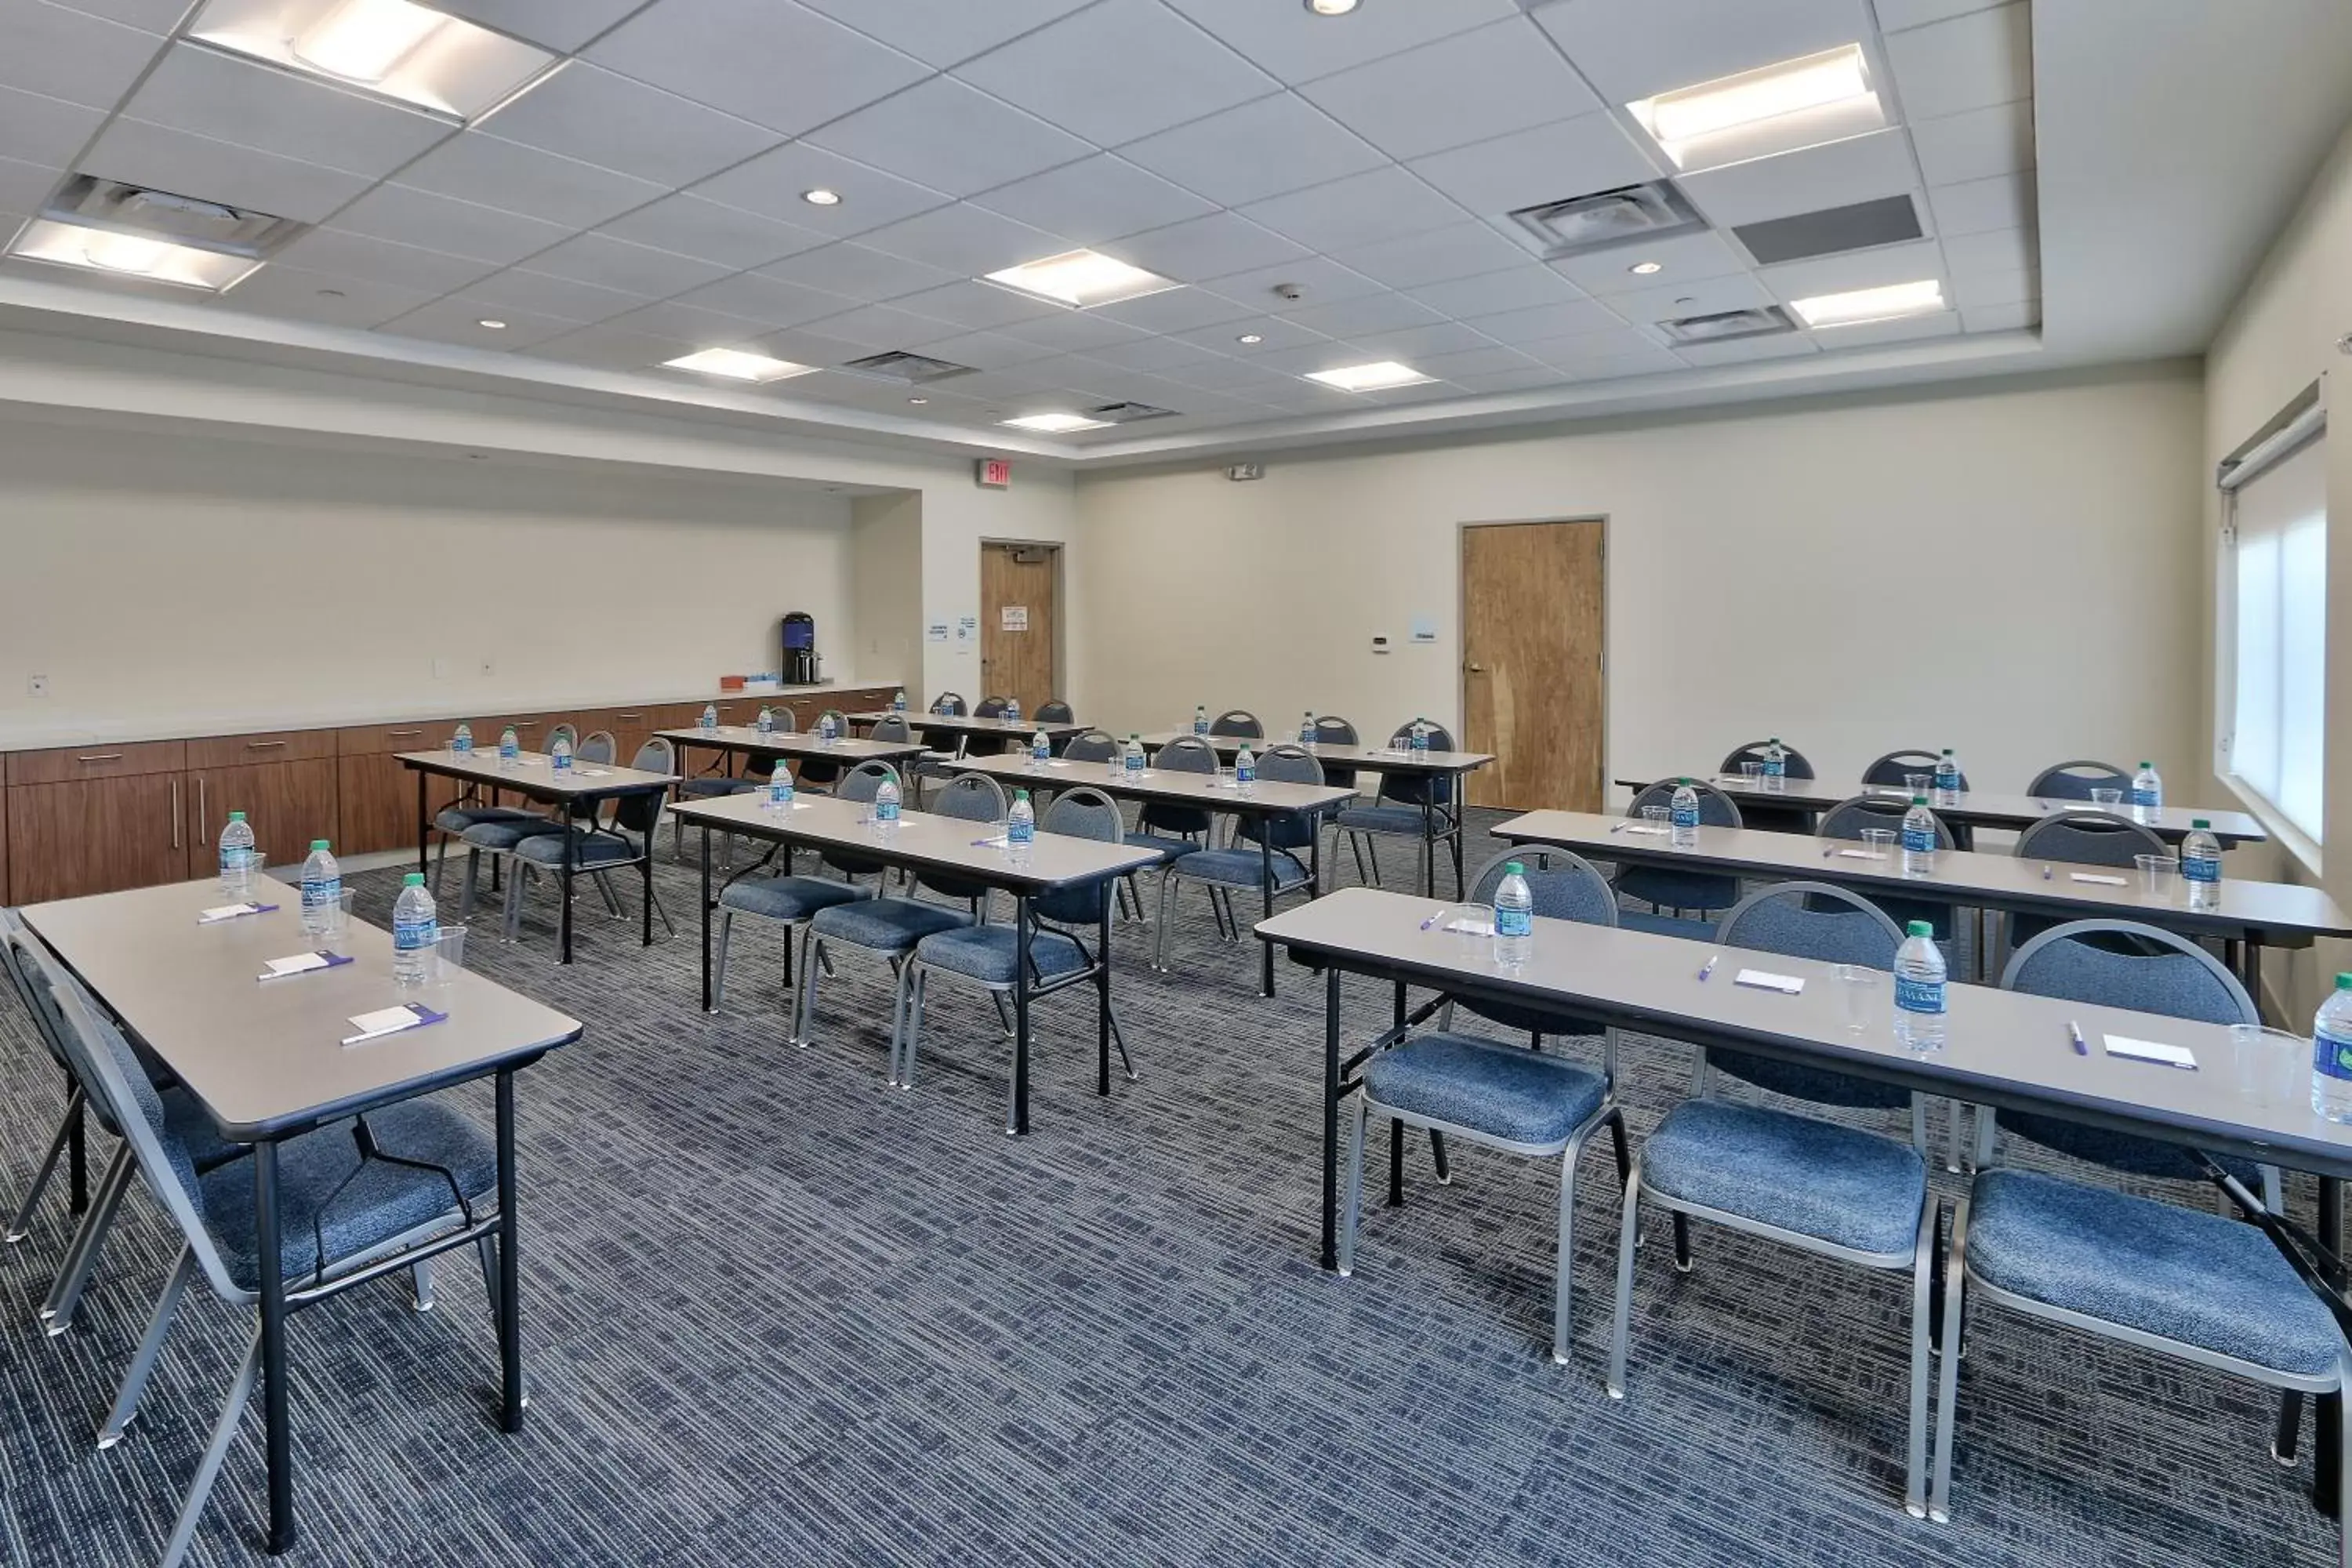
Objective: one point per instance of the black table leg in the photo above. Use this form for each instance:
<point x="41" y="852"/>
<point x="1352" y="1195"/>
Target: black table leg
<point x="1396" y="1128"/>
<point x="646" y="888"/>
<point x="563" y="887"/>
<point x="276" y="1441"/>
<point x="1020" y="1015"/>
<point x="1332" y="1117"/>
<point x="424" y="822"/>
<point x="2327" y="1409"/>
<point x="1102" y="995"/>
<point x="2252" y="975"/>
<point x="1428" y="839"/>
<point x="706" y="920"/>
<point x="509" y="1266"/>
<point x="1265" y="888"/>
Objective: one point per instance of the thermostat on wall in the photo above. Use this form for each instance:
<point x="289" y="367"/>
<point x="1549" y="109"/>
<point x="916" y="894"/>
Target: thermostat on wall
<point x="1379" y="645"/>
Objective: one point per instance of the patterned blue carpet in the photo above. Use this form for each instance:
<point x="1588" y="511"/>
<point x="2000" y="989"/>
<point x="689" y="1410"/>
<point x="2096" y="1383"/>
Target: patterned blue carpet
<point x="778" y="1315"/>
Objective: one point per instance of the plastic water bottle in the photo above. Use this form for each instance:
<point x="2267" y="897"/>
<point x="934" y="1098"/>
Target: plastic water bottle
<point x="1200" y="720"/>
<point x="2147" y="792"/>
<point x="1515" y="917"/>
<point x="1420" y="734"/>
<point x="322" y="890"/>
<point x="509" y="748"/>
<point x="1244" y="769"/>
<point x="780" y="788"/>
<point x="236" y="857"/>
<point x="885" y="806"/>
<point x="828" y="729"/>
<point x="1920" y="990"/>
<point x="766" y="723"/>
<point x="1776" y="763"/>
<point x="1306" y="728"/>
<point x="710" y="720"/>
<point x="415" y="924"/>
<point x="1948" y="776"/>
<point x="1040" y="750"/>
<point x="2331" y="1054"/>
<point x="1021" y="827"/>
<point x="462" y="742"/>
<point x="563" y="753"/>
<point x="2200" y="865"/>
<point x="1013" y="710"/>
<point x="1134" y="756"/>
<point x="1920" y="840"/>
<point x="899" y="700"/>
<point x="1683" y="816"/>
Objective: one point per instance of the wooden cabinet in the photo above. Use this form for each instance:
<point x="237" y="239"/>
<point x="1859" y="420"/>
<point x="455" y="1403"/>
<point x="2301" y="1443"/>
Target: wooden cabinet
<point x="285" y="784"/>
<point x="375" y="797"/>
<point x="96" y="835"/>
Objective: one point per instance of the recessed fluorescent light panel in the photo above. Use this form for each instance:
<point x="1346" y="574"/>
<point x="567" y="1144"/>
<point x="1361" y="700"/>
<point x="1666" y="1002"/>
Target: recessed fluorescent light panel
<point x="1780" y="108"/>
<point x="130" y="255"/>
<point x="1081" y="279"/>
<point x="1378" y="376"/>
<point x="1056" y="424"/>
<point x="737" y="365"/>
<point x="1871" y="304"/>
<point x="422" y="57"/>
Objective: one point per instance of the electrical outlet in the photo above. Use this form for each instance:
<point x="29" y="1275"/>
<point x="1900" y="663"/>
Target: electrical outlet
<point x="37" y="685"/>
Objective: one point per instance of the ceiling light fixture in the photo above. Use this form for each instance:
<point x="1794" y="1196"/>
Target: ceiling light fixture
<point x="1646" y="268"/>
<point x="821" y="198"/>
<point x="919" y="402"/>
<point x="1378" y="376"/>
<point x="1251" y="338"/>
<point x="1080" y="279"/>
<point x="1871" y="304"/>
<point x="738" y="364"/>
<point x="494" y="325"/>
<point x="1056" y="424"/>
<point x="1778" y="108"/>
<point x="124" y="253"/>
<point x="1331" y="7"/>
<point x="363" y="41"/>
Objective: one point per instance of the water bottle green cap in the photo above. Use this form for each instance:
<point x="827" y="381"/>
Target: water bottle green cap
<point x="318" y="844"/>
<point x="237" y="816"/>
<point x="2198" y="822"/>
<point x="1021" y="795"/>
<point x="413" y="880"/>
<point x="1918" y="800"/>
<point x="1920" y="927"/>
<point x="1681" y="780"/>
<point x="1514" y="869"/>
<point x="2147" y="764"/>
<point x="2344" y="982"/>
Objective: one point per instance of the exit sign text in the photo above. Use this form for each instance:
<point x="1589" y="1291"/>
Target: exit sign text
<point x="995" y="473"/>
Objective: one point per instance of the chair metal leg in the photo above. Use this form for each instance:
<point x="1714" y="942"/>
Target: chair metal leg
<point x="1681" y="1243"/>
<point x="1119" y="1039"/>
<point x="1003" y="1013"/>
<point x="21" y="1226"/>
<point x="513" y="920"/>
<point x="466" y="896"/>
<point x="420" y="1285"/>
<point x="1915" y="1483"/>
<point x="142" y="1363"/>
<point x="1372" y="847"/>
<point x="440" y="866"/>
<point x="804" y="1014"/>
<point x="1627" y="1232"/>
<point x="1159" y="948"/>
<point x="604" y="881"/>
<point x="200" y="1487"/>
<point x="903" y="978"/>
<point x="914" y="1028"/>
<point x="1351" y="1216"/>
<point x="1560" y="1311"/>
<point x="2343" y="1452"/>
<point x="73" y="1273"/>
<point x="1437" y="1158"/>
<point x="1958" y="1114"/>
<point x="1939" y="1492"/>
<point x="719" y="961"/>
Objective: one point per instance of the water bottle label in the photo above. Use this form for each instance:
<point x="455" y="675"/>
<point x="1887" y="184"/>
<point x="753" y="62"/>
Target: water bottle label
<point x="234" y="860"/>
<point x="1918" y="995"/>
<point x="319" y="893"/>
<point x="1685" y="817"/>
<point x="407" y="936"/>
<point x="509" y="750"/>
<point x="1200" y="726"/>
<point x="462" y="744"/>
<point x="1421" y="739"/>
<point x="1920" y="841"/>
<point x="2143" y="797"/>
<point x="2201" y="869"/>
<point x="562" y="761"/>
<point x="885" y="811"/>
<point x="1514" y="922"/>
<point x="1021" y="833"/>
<point x="1773" y="770"/>
<point x="2331" y="1057"/>
<point x="1135" y="762"/>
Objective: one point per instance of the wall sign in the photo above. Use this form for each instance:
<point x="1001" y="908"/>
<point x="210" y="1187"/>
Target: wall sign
<point x="1017" y="617"/>
<point x="1424" y="629"/>
<point x="937" y="631"/>
<point x="993" y="473"/>
<point x="967" y="629"/>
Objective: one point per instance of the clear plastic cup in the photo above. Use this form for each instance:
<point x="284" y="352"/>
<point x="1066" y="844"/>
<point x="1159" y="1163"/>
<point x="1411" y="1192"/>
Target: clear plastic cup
<point x="1751" y="772"/>
<point x="2272" y="1066"/>
<point x="2156" y="874"/>
<point x="2106" y="797"/>
<point x="339" y="916"/>
<point x="1918" y="783"/>
<point x="1657" y="817"/>
<point x="448" y="958"/>
<point x="1879" y="842"/>
<point x="1225" y="775"/>
<point x="1858" y="990"/>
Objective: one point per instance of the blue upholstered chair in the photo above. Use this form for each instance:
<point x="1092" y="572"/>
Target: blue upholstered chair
<point x="892" y="927"/>
<point x="1894" y="769"/>
<point x="345" y="1204"/>
<point x="1518" y="1098"/>
<point x="2077" y="779"/>
<point x="1098" y="746"/>
<point x="1760" y="811"/>
<point x="777" y="894"/>
<point x="1847" y="819"/>
<point x="1665" y="887"/>
<point x="598" y="848"/>
<point x="1170" y="830"/>
<point x="1839" y="1192"/>
<point x="1062" y="922"/>
<point x="1241" y="866"/>
<point x="820" y="774"/>
<point x="2198" y="1286"/>
<point x="1331" y="729"/>
<point x="1053" y="711"/>
<point x="2085" y="838"/>
<point x="69" y="1142"/>
<point x="1396" y="811"/>
<point x="1237" y="724"/>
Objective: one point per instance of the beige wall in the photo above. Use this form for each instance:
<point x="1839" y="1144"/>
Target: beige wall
<point x="1756" y="567"/>
<point x="885" y="579"/>
<point x="2282" y="337"/>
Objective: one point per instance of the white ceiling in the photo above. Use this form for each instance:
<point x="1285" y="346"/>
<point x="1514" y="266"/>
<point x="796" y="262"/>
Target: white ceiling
<point x="644" y="200"/>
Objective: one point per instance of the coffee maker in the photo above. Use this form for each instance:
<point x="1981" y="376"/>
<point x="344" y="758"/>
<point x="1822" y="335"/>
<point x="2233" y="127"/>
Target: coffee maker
<point x="800" y="663"/>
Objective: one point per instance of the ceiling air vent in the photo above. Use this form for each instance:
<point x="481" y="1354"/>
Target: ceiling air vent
<point x="1126" y="413"/>
<point x="1632" y="215"/>
<point x="913" y="369"/>
<point x="1724" y="326"/>
<point x="182" y="220"/>
<point x="1889" y="220"/>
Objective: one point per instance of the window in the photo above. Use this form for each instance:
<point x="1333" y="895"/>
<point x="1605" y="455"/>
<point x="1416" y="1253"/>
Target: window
<point x="2275" y="499"/>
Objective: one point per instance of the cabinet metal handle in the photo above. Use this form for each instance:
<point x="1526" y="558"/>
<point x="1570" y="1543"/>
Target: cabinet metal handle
<point x="204" y="818"/>
<point x="628" y="715"/>
<point x="400" y="734"/>
<point x="101" y="757"/>
<point x="175" y="813"/>
<point x="262" y="745"/>
<point x="524" y="724"/>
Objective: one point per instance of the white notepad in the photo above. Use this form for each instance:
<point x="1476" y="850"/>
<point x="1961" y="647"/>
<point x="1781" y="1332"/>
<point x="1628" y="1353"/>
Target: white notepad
<point x="2150" y="1051"/>
<point x="227" y="912"/>
<point x="1472" y="925"/>
<point x="1647" y="831"/>
<point x="2094" y="877"/>
<point x="299" y="963"/>
<point x="1862" y="855"/>
<point x="1764" y="979"/>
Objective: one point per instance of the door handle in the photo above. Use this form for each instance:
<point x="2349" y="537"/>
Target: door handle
<point x="204" y="818"/>
<point x="1475" y="668"/>
<point x="175" y="812"/>
<point x="262" y="745"/>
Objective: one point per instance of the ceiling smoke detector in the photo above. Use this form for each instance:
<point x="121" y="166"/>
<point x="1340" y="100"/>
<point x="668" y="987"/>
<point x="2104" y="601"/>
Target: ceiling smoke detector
<point x="1728" y="326"/>
<point x="913" y="369"/>
<point x="1290" y="291"/>
<point x="1630" y="215"/>
<point x="1126" y="413"/>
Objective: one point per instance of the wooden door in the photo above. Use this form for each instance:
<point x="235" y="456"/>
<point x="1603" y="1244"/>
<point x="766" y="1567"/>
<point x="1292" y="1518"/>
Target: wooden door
<point x="95" y="835"/>
<point x="287" y="805"/>
<point x="1016" y="623"/>
<point x="1531" y="663"/>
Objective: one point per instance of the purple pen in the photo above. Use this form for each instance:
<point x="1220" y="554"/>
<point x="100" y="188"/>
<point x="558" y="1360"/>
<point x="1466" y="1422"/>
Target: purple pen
<point x="1708" y="967"/>
<point x="1435" y="915"/>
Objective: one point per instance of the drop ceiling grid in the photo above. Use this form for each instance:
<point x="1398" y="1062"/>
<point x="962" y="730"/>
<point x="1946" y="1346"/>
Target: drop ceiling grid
<point x="1371" y="166"/>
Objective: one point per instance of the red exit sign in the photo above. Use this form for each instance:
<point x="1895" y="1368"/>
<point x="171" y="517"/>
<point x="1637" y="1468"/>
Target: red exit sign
<point x="995" y="473"/>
